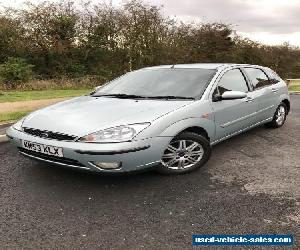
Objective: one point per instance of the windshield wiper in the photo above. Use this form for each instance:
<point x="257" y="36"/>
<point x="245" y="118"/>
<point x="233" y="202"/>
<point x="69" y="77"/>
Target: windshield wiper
<point x="143" y="97"/>
<point x="172" y="97"/>
<point x="120" y="96"/>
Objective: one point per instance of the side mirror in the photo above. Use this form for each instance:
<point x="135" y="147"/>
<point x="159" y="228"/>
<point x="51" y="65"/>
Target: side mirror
<point x="232" y="95"/>
<point x="216" y="98"/>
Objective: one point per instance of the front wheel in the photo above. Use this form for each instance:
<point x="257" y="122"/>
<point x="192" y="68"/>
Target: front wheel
<point x="185" y="153"/>
<point x="279" y="116"/>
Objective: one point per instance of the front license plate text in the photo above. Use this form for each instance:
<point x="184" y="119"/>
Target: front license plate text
<point x="41" y="148"/>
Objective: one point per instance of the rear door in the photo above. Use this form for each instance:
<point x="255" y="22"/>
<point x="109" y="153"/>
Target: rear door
<point x="231" y="116"/>
<point x="265" y="90"/>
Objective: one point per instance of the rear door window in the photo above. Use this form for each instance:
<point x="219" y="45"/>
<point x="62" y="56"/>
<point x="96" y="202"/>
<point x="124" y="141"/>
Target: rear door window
<point x="258" y="78"/>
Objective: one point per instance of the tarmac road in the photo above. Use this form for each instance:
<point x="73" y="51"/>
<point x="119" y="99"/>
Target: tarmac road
<point x="249" y="186"/>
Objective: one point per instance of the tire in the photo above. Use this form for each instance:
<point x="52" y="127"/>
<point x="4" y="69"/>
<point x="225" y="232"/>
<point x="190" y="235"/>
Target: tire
<point x="279" y="116"/>
<point x="185" y="153"/>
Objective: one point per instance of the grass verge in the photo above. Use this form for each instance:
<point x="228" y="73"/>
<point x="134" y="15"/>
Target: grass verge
<point x="12" y="116"/>
<point x="16" y="96"/>
<point x="294" y="88"/>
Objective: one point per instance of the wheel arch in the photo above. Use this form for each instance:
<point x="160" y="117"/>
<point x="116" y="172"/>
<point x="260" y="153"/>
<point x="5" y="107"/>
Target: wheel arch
<point x="197" y="130"/>
<point x="199" y="126"/>
<point x="287" y="103"/>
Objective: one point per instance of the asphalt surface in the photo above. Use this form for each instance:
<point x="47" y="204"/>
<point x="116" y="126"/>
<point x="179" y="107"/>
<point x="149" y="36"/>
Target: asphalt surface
<point x="249" y="186"/>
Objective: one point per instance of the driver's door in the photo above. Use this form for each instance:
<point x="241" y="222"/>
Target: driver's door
<point x="232" y="116"/>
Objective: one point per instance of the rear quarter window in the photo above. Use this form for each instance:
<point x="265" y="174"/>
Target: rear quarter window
<point x="274" y="78"/>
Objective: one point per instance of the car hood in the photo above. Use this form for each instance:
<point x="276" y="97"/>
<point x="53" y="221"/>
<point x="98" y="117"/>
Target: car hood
<point x="83" y="115"/>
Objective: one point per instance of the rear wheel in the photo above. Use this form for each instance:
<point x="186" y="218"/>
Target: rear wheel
<point x="279" y="116"/>
<point x="185" y="153"/>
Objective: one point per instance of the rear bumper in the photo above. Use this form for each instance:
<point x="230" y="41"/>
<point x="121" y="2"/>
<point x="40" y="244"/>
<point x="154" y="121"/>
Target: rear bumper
<point x="134" y="155"/>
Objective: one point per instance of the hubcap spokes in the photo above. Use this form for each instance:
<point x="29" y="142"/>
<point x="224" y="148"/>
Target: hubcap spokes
<point x="280" y="115"/>
<point x="182" y="154"/>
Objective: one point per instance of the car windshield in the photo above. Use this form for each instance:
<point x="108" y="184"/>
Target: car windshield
<point x="159" y="83"/>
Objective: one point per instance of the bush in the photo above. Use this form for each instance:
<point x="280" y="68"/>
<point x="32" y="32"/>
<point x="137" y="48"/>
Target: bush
<point x="87" y="82"/>
<point x="15" y="72"/>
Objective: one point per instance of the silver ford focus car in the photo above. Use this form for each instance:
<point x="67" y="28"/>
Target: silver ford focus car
<point x="164" y="117"/>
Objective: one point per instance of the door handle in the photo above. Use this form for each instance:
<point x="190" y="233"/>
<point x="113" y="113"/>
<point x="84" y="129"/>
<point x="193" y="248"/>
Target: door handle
<point x="249" y="99"/>
<point x="274" y="90"/>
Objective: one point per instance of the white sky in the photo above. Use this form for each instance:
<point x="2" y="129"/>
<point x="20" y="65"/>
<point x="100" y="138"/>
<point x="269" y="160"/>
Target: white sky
<point x="267" y="21"/>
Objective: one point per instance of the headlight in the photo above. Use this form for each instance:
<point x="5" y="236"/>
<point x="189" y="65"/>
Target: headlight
<point x="18" y="125"/>
<point x="116" y="134"/>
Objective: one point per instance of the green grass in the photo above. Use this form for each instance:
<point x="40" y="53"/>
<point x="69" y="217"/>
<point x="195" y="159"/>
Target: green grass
<point x="294" y="82"/>
<point x="294" y="85"/>
<point x="294" y="88"/>
<point x="16" y="96"/>
<point x="12" y="116"/>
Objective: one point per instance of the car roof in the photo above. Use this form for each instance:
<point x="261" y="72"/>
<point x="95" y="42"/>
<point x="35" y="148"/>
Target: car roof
<point x="200" y="66"/>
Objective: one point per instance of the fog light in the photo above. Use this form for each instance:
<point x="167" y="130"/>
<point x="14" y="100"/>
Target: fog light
<point x="107" y="165"/>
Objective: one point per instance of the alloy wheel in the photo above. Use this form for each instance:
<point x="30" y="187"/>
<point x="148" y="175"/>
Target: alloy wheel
<point x="280" y="116"/>
<point x="182" y="154"/>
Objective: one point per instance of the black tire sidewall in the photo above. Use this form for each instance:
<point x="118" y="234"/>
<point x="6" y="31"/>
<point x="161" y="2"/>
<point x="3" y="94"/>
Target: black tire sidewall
<point x="193" y="137"/>
<point x="276" y="125"/>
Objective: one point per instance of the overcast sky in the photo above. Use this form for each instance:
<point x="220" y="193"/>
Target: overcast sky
<point x="267" y="21"/>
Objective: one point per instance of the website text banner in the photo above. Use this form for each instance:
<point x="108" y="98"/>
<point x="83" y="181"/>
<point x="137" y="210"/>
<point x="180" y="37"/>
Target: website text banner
<point x="242" y="240"/>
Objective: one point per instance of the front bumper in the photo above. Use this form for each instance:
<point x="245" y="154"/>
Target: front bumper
<point x="134" y="155"/>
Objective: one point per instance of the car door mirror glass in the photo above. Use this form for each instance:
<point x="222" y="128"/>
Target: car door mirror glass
<point x="231" y="95"/>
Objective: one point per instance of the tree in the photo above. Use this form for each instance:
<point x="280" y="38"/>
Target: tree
<point x="11" y="34"/>
<point x="67" y="40"/>
<point x="15" y="71"/>
<point x="51" y="31"/>
<point x="143" y="34"/>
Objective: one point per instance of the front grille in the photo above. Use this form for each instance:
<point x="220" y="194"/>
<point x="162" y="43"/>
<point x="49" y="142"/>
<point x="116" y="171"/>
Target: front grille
<point x="52" y="158"/>
<point x="49" y="135"/>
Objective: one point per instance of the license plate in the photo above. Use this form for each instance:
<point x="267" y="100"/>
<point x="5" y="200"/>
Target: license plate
<point x="44" y="149"/>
